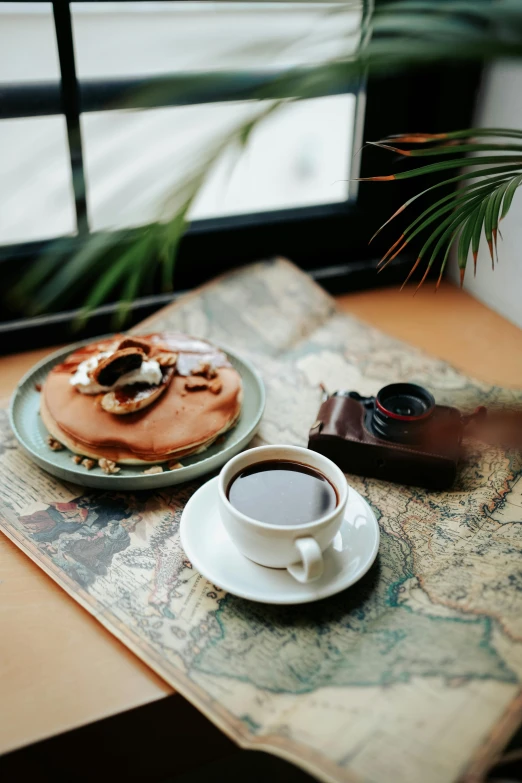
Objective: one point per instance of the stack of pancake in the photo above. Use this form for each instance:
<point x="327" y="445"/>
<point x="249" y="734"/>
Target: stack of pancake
<point x="142" y="400"/>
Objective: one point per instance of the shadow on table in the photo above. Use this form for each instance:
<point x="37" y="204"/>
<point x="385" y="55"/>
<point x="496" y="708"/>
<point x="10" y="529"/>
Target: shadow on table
<point x="168" y="741"/>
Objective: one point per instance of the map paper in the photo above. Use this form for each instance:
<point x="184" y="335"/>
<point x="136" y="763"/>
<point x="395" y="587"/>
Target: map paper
<point x="412" y="674"/>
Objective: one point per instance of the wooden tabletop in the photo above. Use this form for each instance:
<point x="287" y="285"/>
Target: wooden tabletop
<point x="59" y="668"/>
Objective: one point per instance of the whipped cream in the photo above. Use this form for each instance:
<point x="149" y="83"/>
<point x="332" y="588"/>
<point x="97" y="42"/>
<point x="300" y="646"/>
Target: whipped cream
<point x="149" y="372"/>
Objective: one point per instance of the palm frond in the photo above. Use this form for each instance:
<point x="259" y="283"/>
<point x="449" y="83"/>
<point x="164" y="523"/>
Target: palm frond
<point x="453" y="203"/>
<point x="453" y="180"/>
<point x="473" y="209"/>
<point x="477" y="232"/>
<point x="52" y="275"/>
<point x="394" y="36"/>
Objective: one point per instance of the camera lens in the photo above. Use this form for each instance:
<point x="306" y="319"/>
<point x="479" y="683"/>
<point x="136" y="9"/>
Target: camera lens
<point x="401" y="410"/>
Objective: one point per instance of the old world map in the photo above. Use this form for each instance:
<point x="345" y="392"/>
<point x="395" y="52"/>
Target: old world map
<point x="402" y="677"/>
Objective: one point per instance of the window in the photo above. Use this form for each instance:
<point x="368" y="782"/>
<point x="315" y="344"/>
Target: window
<point x="106" y="107"/>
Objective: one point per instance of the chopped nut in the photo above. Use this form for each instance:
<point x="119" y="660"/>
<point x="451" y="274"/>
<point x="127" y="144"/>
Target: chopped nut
<point x="54" y="444"/>
<point x="38" y="387"/>
<point x="135" y="342"/>
<point x="108" y="466"/>
<point x="88" y="463"/>
<point x="174" y="465"/>
<point x="166" y="359"/>
<point x="76" y="458"/>
<point x="205" y="369"/>
<point x="154" y="469"/>
<point x="215" y="386"/>
<point x="196" y="384"/>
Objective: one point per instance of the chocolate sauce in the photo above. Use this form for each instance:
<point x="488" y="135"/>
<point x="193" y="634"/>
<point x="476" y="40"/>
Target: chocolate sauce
<point x="281" y="492"/>
<point x="136" y="392"/>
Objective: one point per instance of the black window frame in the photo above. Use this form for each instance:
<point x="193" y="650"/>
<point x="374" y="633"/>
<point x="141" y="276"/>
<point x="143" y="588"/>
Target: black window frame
<point x="329" y="241"/>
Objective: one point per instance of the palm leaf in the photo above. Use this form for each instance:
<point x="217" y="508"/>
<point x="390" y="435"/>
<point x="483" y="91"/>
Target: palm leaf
<point x="445" y="258"/>
<point x="446" y="149"/>
<point x="476" y="206"/>
<point x="129" y="293"/>
<point x="488" y="225"/>
<point x="459" y="206"/>
<point x="464" y="245"/>
<point x="445" y="228"/>
<point x="395" y="36"/>
<point x="477" y="231"/>
<point x="462" y="177"/>
<point x="424" y="138"/>
<point x="471" y="192"/>
<point x="453" y="229"/>
<point x="74" y="268"/>
<point x="496" y="214"/>
<point x="434" y="168"/>
<point x="39" y="271"/>
<point x="134" y="257"/>
<point x="173" y="234"/>
<point x="510" y="192"/>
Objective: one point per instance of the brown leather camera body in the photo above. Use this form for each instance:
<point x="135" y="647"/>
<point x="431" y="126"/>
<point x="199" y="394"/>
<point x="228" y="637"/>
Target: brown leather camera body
<point x="343" y="433"/>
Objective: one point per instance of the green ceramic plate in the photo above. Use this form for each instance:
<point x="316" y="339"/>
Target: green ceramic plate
<point x="32" y="435"/>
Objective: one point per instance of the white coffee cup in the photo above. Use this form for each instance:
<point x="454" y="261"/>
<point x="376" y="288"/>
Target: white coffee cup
<point x="299" y="547"/>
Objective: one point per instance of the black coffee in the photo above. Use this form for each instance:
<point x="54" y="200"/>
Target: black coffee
<point x="281" y="492"/>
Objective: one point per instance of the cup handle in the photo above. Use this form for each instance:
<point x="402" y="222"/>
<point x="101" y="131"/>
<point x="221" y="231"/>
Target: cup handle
<point x="312" y="564"/>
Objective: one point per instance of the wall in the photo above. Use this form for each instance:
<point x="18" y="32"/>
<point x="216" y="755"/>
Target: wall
<point x="500" y="105"/>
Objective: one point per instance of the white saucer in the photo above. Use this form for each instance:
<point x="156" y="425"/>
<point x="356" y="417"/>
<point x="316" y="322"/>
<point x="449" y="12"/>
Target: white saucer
<point x="213" y="554"/>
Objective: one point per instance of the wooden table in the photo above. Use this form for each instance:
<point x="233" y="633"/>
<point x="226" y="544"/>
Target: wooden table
<point x="59" y="668"/>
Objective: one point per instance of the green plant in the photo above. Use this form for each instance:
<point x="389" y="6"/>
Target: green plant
<point x="459" y="217"/>
<point x="394" y="36"/>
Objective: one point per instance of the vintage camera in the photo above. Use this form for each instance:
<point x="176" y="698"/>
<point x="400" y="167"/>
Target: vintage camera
<point x="400" y="435"/>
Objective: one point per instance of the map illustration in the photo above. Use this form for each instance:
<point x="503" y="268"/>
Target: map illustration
<point x="408" y="675"/>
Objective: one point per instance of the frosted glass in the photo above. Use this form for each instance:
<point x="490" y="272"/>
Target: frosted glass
<point x="300" y="156"/>
<point x="138" y="39"/>
<point x="28" y="51"/>
<point x="36" y="197"/>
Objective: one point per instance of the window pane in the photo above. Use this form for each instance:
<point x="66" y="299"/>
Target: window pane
<point x="300" y="156"/>
<point x="28" y="50"/>
<point x="35" y="180"/>
<point x="139" y="39"/>
<point x="297" y="158"/>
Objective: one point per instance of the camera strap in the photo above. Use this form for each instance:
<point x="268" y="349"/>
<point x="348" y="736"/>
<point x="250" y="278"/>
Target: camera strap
<point x="478" y="414"/>
<point x="497" y="427"/>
